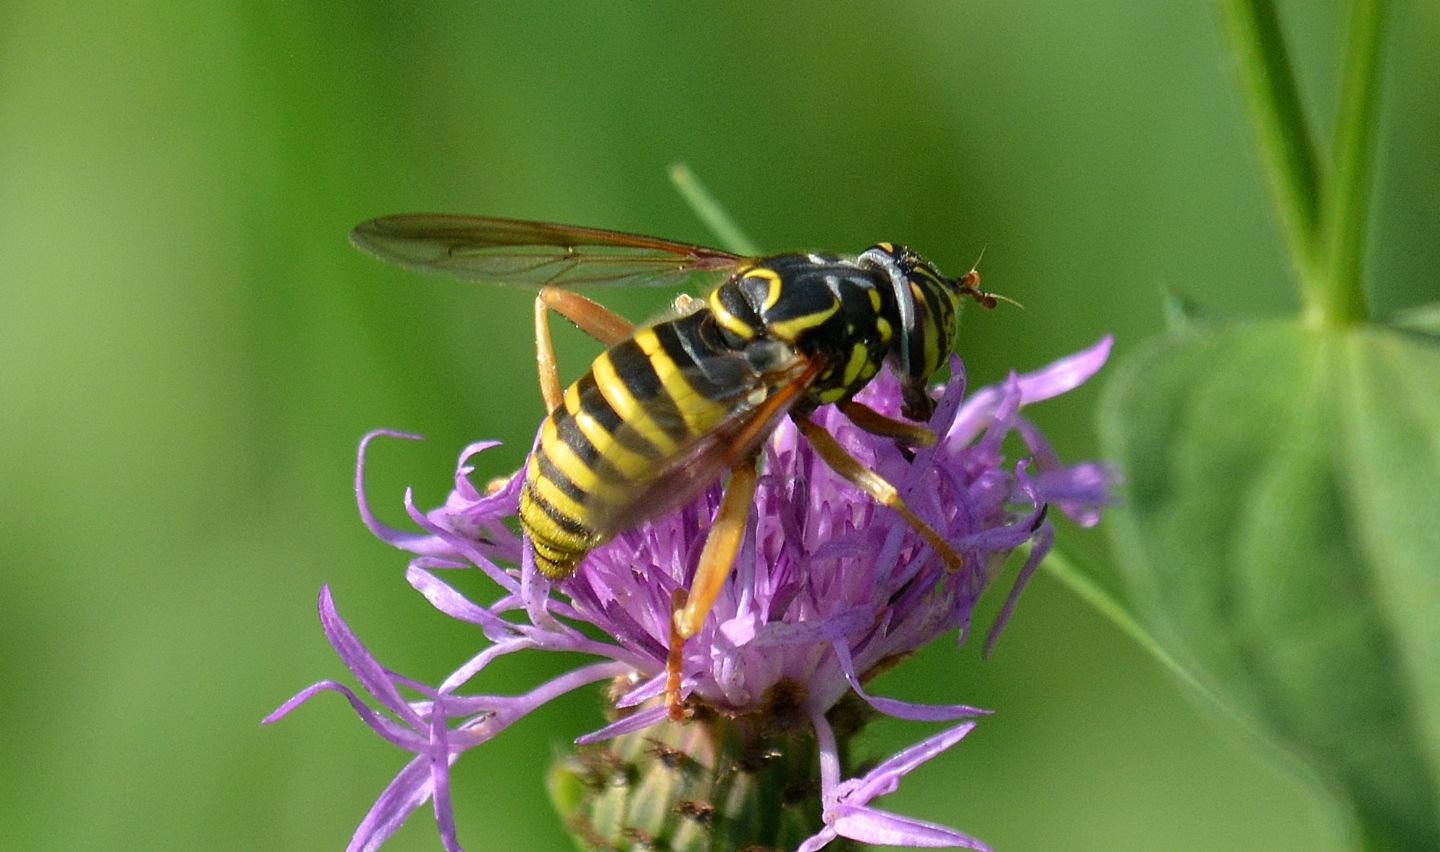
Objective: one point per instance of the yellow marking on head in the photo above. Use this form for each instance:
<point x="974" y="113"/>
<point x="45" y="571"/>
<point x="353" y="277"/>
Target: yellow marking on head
<point x="727" y="320"/>
<point x="889" y="247"/>
<point x="928" y="275"/>
<point x="882" y="326"/>
<point x="699" y="411"/>
<point x="630" y="410"/>
<point x="929" y="334"/>
<point x="790" y="329"/>
<point x="875" y="300"/>
<point x="859" y="357"/>
<point x="932" y="346"/>
<point x="772" y="295"/>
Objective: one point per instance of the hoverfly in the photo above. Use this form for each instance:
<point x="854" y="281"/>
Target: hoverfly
<point x="672" y="407"/>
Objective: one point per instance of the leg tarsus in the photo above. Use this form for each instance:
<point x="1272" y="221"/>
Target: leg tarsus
<point x="673" y="660"/>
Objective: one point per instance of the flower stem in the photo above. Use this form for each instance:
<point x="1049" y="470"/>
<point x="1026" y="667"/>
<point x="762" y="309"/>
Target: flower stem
<point x="1342" y="299"/>
<point x="711" y="211"/>
<point x="1324" y="213"/>
<point x="1268" y="81"/>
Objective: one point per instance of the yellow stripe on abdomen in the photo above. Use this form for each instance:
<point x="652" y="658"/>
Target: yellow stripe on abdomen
<point x="699" y="412"/>
<point x="630" y="410"/>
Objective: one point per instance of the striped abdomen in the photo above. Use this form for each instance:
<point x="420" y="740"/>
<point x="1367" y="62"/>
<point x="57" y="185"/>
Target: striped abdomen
<point x="641" y="403"/>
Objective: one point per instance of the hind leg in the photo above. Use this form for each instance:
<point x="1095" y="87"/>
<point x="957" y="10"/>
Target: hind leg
<point x="590" y="316"/>
<point x="689" y="609"/>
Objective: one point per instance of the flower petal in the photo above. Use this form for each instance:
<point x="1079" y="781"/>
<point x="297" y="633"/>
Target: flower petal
<point x="358" y="659"/>
<point x="895" y="707"/>
<point x="881" y="779"/>
<point x="440" y="760"/>
<point x="637" y="721"/>
<point x="405" y="793"/>
<point x="445" y="598"/>
<point x="390" y="535"/>
<point x="396" y="734"/>
<point x="869" y="825"/>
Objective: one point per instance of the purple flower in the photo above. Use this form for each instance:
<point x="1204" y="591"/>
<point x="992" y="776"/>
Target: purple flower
<point x="828" y="587"/>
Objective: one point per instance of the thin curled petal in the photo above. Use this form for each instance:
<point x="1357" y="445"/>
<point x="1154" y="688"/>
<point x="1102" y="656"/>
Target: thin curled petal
<point x="902" y="709"/>
<point x="384" y="532"/>
<point x="884" y="776"/>
<point x="440" y="758"/>
<point x="850" y="816"/>
<point x="1059" y="377"/>
<point x="443" y="597"/>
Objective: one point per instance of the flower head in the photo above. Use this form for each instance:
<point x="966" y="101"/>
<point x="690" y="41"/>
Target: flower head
<point x="828" y="588"/>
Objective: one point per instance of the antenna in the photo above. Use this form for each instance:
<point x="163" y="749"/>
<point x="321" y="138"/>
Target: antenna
<point x="969" y="285"/>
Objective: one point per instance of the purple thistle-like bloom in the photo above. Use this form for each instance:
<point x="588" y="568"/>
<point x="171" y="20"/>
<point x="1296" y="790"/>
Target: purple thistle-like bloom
<point x="828" y="587"/>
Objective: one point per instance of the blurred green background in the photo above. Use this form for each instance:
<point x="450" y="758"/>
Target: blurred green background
<point x="190" y="351"/>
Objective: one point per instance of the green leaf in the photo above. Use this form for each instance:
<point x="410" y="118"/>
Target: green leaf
<point x="1282" y="532"/>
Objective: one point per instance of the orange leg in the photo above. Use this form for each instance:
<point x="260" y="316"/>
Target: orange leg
<point x="590" y="316"/>
<point x="875" y="485"/>
<point x="872" y="421"/>
<point x="688" y="610"/>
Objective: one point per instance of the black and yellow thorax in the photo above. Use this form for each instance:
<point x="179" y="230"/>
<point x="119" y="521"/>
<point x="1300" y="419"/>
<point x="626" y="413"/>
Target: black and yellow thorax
<point x="651" y="399"/>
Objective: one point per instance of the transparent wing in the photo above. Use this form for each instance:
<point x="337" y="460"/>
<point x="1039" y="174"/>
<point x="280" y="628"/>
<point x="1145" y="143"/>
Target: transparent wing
<point x="709" y="457"/>
<point x="534" y="254"/>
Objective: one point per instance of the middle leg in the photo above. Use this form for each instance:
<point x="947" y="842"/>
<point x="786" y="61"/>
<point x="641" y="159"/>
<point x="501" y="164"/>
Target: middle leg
<point x="875" y="485"/>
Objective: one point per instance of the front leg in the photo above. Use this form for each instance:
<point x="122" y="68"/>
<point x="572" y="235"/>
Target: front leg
<point x="872" y="421"/>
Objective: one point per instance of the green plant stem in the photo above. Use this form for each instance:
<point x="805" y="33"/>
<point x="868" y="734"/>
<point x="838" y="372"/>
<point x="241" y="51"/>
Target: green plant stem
<point x="711" y="212"/>
<point x="1340" y="298"/>
<point x="1268" y="81"/>
<point x="1324" y="213"/>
